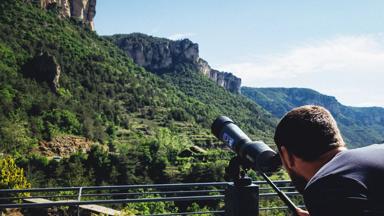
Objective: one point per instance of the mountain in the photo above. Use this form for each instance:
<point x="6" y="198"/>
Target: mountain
<point x="178" y="62"/>
<point x="359" y="125"/>
<point x="161" y="55"/>
<point x="65" y="91"/>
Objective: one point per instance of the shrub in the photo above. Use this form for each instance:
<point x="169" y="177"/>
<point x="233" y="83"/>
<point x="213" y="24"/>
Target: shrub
<point x="11" y="176"/>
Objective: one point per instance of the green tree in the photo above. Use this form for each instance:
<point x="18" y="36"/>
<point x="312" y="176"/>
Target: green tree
<point x="150" y="208"/>
<point x="194" y="207"/>
<point x="15" y="136"/>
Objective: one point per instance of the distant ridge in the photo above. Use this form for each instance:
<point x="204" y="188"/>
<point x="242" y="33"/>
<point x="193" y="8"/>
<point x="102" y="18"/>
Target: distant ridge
<point x="359" y="125"/>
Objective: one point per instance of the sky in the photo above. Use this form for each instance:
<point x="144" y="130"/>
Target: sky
<point x="334" y="47"/>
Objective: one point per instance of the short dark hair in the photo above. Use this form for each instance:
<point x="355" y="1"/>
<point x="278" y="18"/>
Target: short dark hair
<point x="308" y="132"/>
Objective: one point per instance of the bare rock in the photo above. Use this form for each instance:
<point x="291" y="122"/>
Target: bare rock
<point x="82" y="10"/>
<point x="63" y="146"/>
<point x="204" y="68"/>
<point x="44" y="68"/>
<point x="226" y="80"/>
<point x="158" y="53"/>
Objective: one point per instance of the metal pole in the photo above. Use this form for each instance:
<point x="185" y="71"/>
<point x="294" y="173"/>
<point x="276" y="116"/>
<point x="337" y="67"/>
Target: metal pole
<point x="282" y="195"/>
<point x="242" y="200"/>
<point x="79" y="199"/>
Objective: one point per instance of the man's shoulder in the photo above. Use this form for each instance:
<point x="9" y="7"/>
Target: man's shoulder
<point x="333" y="184"/>
<point x="341" y="195"/>
<point x="356" y="164"/>
<point x="352" y="181"/>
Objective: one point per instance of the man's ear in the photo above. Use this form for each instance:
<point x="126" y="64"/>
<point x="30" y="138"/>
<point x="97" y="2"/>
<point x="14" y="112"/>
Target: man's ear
<point x="287" y="158"/>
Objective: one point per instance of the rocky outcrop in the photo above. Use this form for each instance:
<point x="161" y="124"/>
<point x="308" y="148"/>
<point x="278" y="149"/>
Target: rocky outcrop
<point x="227" y="80"/>
<point x="224" y="79"/>
<point x="81" y="10"/>
<point x="161" y="55"/>
<point x="157" y="53"/>
<point x="64" y="146"/>
<point x="44" y="68"/>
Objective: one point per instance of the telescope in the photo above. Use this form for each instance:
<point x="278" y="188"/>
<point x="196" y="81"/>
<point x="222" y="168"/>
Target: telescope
<point x="250" y="154"/>
<point x="259" y="155"/>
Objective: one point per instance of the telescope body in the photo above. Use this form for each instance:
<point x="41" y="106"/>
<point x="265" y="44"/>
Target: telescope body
<point x="257" y="153"/>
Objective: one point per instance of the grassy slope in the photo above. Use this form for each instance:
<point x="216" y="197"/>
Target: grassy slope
<point x="253" y="118"/>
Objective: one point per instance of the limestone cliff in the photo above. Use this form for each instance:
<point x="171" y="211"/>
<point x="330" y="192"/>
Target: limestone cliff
<point x="81" y="10"/>
<point x="161" y="55"/>
<point x="224" y="79"/>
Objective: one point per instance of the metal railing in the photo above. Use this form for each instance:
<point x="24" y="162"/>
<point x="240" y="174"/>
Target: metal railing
<point x="114" y="196"/>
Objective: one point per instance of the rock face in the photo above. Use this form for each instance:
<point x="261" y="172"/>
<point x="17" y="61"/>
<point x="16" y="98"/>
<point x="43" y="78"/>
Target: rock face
<point x="44" y="68"/>
<point x="224" y="79"/>
<point x="64" y="146"/>
<point x="161" y="55"/>
<point x="81" y="10"/>
<point x="157" y="53"/>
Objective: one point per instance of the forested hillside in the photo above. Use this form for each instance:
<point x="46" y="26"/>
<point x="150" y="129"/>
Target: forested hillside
<point x="65" y="91"/>
<point x="359" y="126"/>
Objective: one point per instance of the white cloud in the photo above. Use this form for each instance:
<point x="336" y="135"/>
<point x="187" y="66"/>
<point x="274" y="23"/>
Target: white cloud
<point x="179" y="36"/>
<point x="348" y="67"/>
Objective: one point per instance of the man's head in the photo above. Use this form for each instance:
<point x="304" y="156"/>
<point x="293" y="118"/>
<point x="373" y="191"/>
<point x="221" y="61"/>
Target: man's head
<point x="303" y="136"/>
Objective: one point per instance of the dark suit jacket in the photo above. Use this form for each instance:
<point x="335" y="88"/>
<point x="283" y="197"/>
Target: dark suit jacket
<point x="351" y="184"/>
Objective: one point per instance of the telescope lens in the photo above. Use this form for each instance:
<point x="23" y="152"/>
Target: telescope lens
<point x="219" y="123"/>
<point x="225" y="130"/>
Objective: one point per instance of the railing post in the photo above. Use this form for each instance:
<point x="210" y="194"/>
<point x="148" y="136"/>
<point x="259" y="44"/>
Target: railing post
<point x="242" y="200"/>
<point x="79" y="199"/>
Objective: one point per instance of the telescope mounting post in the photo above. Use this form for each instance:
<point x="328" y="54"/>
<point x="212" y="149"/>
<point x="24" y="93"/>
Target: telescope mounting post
<point x="243" y="194"/>
<point x="241" y="197"/>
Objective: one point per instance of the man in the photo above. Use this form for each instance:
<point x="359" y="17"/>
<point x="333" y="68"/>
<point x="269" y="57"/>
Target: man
<point x="332" y="179"/>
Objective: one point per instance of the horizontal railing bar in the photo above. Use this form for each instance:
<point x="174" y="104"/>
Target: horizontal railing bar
<point x="114" y="194"/>
<point x="186" y="213"/>
<point x="39" y="190"/>
<point x="144" y="193"/>
<point x="42" y="196"/>
<point x="155" y="192"/>
<point x="117" y="201"/>
<point x="121" y="187"/>
<point x="276" y="182"/>
<point x="276" y="195"/>
<point x="281" y="188"/>
<point x="132" y="193"/>
<point x="278" y="208"/>
<point x="178" y="185"/>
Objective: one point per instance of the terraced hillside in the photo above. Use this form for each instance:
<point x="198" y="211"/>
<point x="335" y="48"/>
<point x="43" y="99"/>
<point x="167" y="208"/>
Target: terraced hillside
<point x="58" y="80"/>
